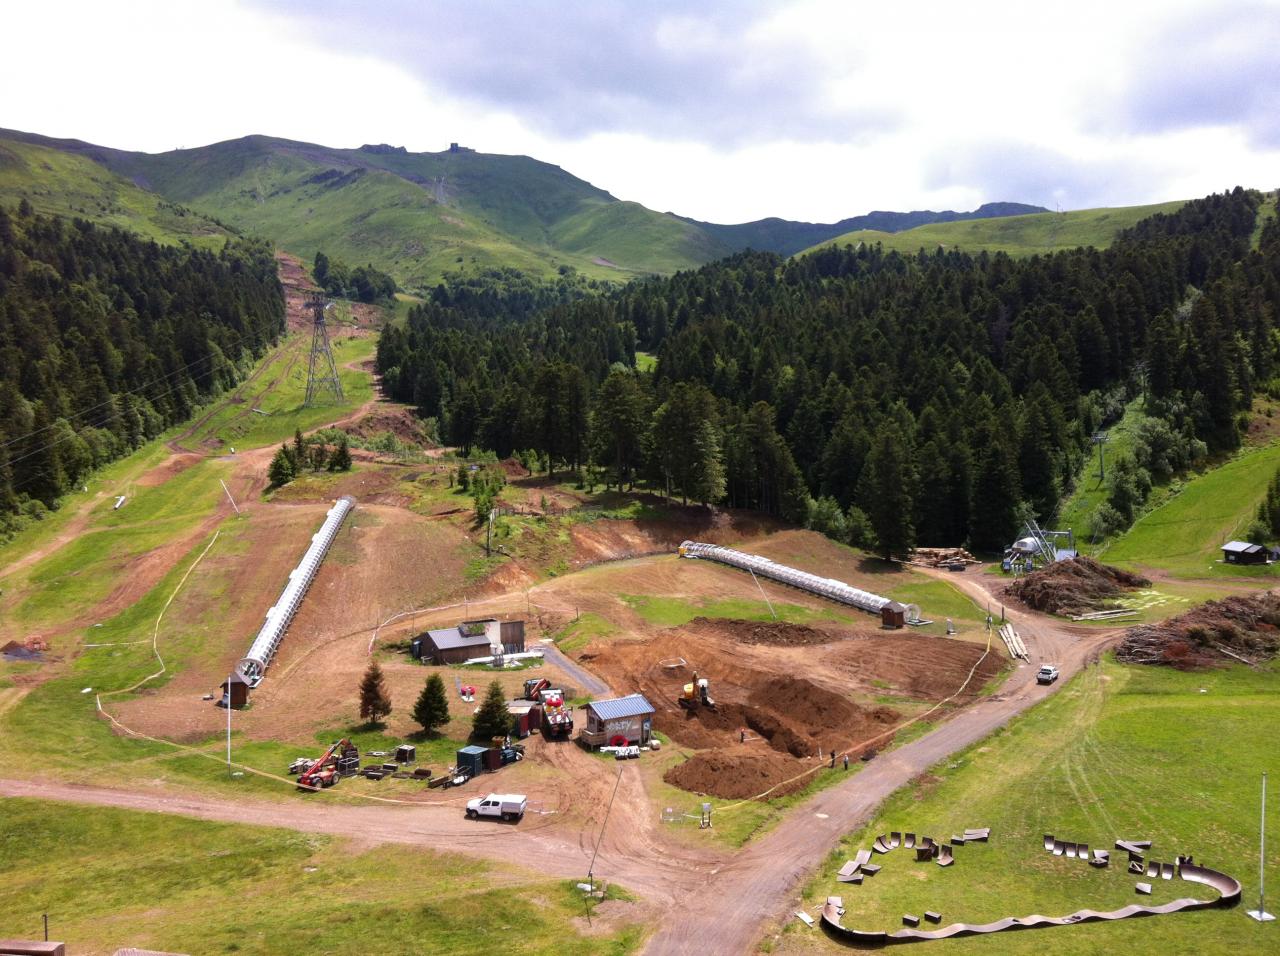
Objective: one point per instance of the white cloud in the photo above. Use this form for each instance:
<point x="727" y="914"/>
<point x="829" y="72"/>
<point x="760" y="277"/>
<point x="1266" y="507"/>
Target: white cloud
<point x="816" y="109"/>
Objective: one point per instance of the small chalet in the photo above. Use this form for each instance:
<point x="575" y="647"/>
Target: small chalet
<point x="628" y="719"/>
<point x="238" y="695"/>
<point x="456" y="645"/>
<point x="1242" y="552"/>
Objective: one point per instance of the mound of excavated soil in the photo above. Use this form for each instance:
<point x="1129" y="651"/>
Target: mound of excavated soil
<point x="1219" y="632"/>
<point x="399" y="420"/>
<point x="736" y="775"/>
<point x="1076" y="586"/>
<point x="775" y="633"/>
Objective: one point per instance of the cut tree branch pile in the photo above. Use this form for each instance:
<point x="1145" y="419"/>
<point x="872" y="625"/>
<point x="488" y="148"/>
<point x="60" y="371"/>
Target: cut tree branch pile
<point x="1075" y="586"/>
<point x="1235" y="629"/>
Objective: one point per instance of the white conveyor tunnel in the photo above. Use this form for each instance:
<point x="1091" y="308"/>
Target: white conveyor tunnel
<point x="824" y="587"/>
<point x="253" y="665"/>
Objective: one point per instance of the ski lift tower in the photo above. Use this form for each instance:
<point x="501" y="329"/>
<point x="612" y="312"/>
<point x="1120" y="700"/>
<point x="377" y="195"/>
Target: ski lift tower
<point x="322" y="371"/>
<point x="1100" y="438"/>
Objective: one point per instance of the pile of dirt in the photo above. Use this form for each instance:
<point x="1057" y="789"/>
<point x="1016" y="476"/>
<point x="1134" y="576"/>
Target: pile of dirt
<point x="399" y="420"/>
<point x="736" y="775"/>
<point x="1235" y="629"/>
<point x="1074" y="586"/>
<point x="29" y="650"/>
<point x="773" y="633"/>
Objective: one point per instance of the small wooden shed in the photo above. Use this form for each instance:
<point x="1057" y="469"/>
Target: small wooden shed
<point x="893" y="614"/>
<point x="239" y="691"/>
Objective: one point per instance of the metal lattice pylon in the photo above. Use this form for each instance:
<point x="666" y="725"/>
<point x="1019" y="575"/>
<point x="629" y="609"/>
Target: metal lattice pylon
<point x="322" y="372"/>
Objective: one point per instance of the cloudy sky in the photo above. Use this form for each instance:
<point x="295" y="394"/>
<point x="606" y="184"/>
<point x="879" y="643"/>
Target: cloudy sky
<point x="727" y="111"/>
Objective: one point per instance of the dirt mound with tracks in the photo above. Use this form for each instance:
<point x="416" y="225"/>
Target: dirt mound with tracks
<point x="773" y="633"/>
<point x="1233" y="630"/>
<point x="783" y="694"/>
<point x="1075" y="586"/>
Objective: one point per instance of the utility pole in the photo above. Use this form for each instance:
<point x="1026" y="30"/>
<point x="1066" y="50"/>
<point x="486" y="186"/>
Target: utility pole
<point x="1261" y="914"/>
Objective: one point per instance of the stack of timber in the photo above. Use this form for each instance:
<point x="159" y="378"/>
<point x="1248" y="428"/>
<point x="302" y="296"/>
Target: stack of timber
<point x="1012" y="641"/>
<point x="942" y="557"/>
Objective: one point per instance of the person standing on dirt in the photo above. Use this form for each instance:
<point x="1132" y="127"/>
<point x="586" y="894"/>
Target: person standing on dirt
<point x="846" y="762"/>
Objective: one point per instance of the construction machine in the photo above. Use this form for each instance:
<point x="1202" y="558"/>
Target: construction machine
<point x="342" y="759"/>
<point x="557" y="717"/>
<point x="697" y="693"/>
<point x="535" y="685"/>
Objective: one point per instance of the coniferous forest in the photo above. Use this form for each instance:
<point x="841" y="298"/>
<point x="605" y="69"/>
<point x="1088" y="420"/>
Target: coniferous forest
<point x="885" y="399"/>
<point x="107" y="339"/>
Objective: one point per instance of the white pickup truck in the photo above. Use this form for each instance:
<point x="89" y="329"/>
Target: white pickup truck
<point x="508" y="806"/>
<point x="1047" y="674"/>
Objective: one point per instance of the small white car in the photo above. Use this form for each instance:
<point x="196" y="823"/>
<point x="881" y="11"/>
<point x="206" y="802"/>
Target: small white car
<point x="508" y="806"/>
<point x="1047" y="674"/>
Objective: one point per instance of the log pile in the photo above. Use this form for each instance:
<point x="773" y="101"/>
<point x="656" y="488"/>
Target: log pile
<point x="942" y="557"/>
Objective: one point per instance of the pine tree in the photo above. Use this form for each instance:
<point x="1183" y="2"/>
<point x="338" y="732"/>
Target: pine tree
<point x="375" y="702"/>
<point x="282" y="470"/>
<point x="341" y="458"/>
<point x="432" y="708"/>
<point x="492" y="719"/>
<point x="886" y="491"/>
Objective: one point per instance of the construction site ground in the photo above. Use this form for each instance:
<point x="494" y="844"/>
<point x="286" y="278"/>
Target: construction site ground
<point x="165" y="594"/>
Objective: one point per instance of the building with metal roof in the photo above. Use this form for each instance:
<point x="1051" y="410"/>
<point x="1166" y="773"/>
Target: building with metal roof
<point x="620" y="720"/>
<point x="1242" y="552"/>
<point x="455" y="645"/>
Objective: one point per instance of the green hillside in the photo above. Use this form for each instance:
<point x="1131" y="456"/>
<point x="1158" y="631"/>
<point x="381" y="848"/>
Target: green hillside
<point x="1017" y="235"/>
<point x="415" y="215"/>
<point x="60" y="183"/>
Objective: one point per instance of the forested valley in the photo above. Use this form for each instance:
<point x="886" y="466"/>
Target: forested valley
<point x="107" y="339"/>
<point x="885" y="399"/>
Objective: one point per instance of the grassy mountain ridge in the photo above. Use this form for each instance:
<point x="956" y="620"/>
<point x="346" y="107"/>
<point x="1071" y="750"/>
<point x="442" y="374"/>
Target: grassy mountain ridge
<point x="787" y="238"/>
<point x="422" y="215"/>
<point x="66" y="184"/>
<point x="1021" y="235"/>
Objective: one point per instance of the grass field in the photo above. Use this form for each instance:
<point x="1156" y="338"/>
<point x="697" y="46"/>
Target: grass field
<point x="110" y="878"/>
<point x="676" y="612"/>
<point x="1017" y="235"/>
<point x="1183" y="536"/>
<point x="1076" y="510"/>
<point x="278" y="393"/>
<point x="62" y="184"/>
<point x="1121" y="752"/>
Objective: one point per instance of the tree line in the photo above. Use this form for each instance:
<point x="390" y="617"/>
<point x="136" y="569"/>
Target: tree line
<point x="939" y="397"/>
<point x="107" y="339"/>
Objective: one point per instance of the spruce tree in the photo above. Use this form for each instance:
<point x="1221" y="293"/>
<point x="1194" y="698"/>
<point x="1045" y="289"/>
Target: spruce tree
<point x="492" y="719"/>
<point x="341" y="458"/>
<point x="282" y="470"/>
<point x="431" y="710"/>
<point x="375" y="702"/>
<point x="887" y="493"/>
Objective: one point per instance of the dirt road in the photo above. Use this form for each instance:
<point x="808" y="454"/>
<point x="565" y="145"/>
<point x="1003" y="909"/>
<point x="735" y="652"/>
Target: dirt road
<point x="759" y="886"/>
<point x="694" y="894"/>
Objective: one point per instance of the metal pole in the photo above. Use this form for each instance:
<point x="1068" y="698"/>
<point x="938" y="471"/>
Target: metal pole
<point x="229" y="498"/>
<point x="228" y="725"/>
<point x="592" y="868"/>
<point x="763" y="595"/>
<point x="1261" y="914"/>
<point x="46" y="927"/>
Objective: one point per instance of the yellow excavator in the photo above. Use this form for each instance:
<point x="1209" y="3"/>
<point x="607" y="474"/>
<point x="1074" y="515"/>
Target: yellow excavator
<point x="697" y="693"/>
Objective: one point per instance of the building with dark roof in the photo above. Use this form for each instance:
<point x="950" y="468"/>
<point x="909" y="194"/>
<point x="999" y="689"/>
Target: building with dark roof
<point x="456" y="645"/>
<point x="1242" y="552"/>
